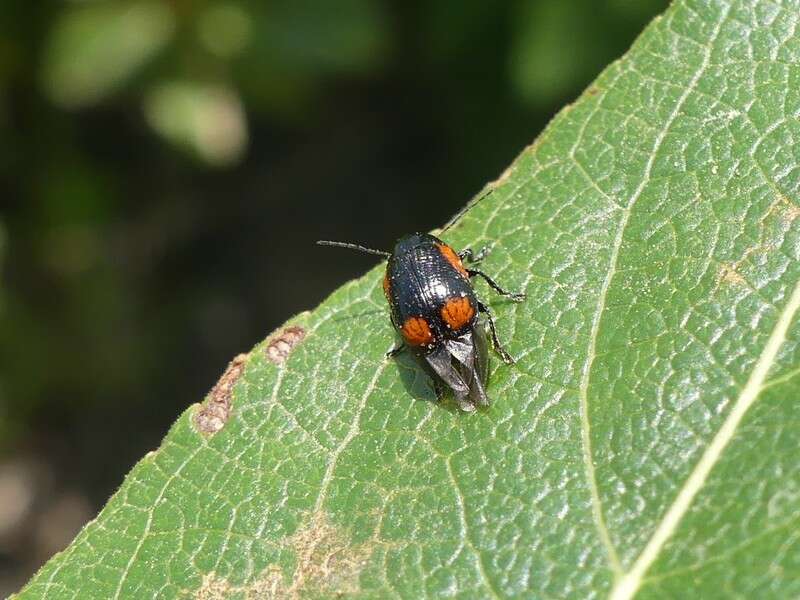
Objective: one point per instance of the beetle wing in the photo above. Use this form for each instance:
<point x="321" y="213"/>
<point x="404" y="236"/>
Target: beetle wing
<point x="441" y="361"/>
<point x="462" y="349"/>
<point x="480" y="369"/>
<point x="471" y="353"/>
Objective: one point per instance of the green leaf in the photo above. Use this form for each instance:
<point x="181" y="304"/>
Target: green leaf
<point x="645" y="443"/>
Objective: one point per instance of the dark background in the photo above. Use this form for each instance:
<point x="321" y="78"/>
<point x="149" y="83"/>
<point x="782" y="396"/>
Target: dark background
<point x="165" y="167"/>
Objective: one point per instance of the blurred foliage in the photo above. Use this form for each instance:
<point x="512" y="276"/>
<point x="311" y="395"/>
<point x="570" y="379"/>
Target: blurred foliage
<point x="159" y="215"/>
<point x="95" y="48"/>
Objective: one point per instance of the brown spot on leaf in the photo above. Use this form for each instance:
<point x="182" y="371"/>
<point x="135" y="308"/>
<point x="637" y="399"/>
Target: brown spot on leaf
<point x="281" y="346"/>
<point x="790" y="212"/>
<point x="269" y="586"/>
<point x="729" y="274"/>
<point x="784" y="209"/>
<point x="326" y="565"/>
<point x="213" y="588"/>
<point x="326" y="561"/>
<point x="214" y="412"/>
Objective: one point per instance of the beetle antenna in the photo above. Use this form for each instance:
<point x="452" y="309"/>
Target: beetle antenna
<point x="457" y="217"/>
<point x="363" y="249"/>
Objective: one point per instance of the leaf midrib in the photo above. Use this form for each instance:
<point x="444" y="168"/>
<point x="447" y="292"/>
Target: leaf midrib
<point x="628" y="583"/>
<point x="591" y="352"/>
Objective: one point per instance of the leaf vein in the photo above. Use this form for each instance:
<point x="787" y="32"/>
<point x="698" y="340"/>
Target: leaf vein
<point x="465" y="530"/>
<point x="591" y="351"/>
<point x="149" y="523"/>
<point x="669" y="523"/>
<point x="351" y="433"/>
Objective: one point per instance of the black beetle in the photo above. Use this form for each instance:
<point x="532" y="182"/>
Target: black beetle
<point x="435" y="310"/>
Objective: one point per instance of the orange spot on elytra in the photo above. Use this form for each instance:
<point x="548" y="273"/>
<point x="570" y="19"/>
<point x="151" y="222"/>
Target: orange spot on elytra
<point x="416" y="331"/>
<point x="453" y="258"/>
<point x="458" y="312"/>
<point x="387" y="287"/>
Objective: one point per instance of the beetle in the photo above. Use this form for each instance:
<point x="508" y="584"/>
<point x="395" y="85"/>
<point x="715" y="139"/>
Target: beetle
<point x="438" y="315"/>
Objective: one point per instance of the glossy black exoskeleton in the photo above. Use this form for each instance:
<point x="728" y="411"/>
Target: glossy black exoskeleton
<point x="435" y="310"/>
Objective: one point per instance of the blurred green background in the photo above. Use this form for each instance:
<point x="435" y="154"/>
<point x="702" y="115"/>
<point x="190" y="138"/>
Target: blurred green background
<point x="166" y="166"/>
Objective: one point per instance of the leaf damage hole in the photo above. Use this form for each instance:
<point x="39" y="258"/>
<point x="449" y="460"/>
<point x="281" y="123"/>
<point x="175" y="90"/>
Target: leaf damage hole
<point x="281" y="346"/>
<point x="214" y="412"/>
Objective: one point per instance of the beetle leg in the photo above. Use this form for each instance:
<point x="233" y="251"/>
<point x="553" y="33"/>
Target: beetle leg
<point x="495" y="342"/>
<point x="396" y="350"/>
<point x="468" y="255"/>
<point x="515" y="296"/>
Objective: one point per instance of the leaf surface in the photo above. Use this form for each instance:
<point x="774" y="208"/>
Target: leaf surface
<point x="645" y="442"/>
